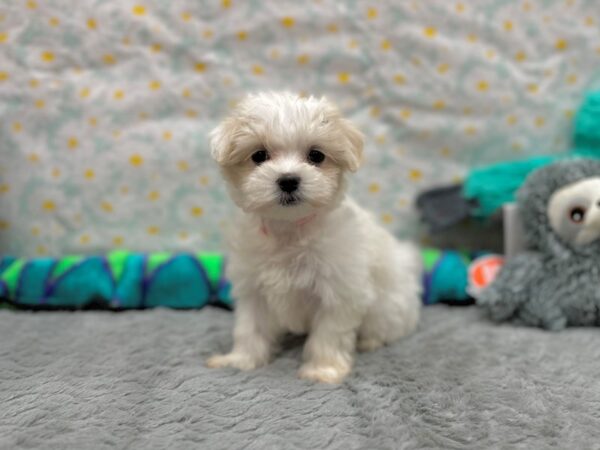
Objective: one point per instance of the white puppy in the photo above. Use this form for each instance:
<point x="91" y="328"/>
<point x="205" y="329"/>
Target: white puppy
<point x="304" y="257"/>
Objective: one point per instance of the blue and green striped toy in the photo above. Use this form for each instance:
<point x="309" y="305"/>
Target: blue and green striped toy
<point x="126" y="280"/>
<point x="118" y="280"/>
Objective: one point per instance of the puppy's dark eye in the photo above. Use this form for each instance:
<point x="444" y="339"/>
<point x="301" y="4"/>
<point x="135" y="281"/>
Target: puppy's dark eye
<point x="260" y="156"/>
<point x="315" y="156"/>
<point x="577" y="214"/>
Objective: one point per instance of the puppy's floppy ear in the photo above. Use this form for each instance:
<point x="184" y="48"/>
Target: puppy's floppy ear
<point x="355" y="143"/>
<point x="222" y="140"/>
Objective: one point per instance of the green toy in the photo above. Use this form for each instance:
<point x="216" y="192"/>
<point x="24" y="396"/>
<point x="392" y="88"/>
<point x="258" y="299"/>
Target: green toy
<point x="125" y="280"/>
<point x="446" y="275"/>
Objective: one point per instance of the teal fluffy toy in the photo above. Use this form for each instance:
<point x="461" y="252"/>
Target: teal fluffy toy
<point x="492" y="186"/>
<point x="487" y="188"/>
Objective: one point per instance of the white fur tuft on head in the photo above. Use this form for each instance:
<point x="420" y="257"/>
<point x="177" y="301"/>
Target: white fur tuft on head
<point x="272" y="119"/>
<point x="355" y="145"/>
<point x="221" y="139"/>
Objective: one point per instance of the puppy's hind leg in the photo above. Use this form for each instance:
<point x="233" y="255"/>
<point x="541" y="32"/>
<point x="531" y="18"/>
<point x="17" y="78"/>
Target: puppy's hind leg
<point x="395" y="312"/>
<point x="386" y="322"/>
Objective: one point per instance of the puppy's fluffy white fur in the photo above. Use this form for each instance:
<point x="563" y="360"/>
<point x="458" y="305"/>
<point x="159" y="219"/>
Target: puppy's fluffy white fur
<point x="310" y="262"/>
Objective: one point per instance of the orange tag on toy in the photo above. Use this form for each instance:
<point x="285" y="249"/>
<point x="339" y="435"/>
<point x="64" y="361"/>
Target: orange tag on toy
<point x="482" y="272"/>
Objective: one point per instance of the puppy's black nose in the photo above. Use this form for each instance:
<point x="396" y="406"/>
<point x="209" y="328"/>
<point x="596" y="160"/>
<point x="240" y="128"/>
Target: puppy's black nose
<point x="288" y="183"/>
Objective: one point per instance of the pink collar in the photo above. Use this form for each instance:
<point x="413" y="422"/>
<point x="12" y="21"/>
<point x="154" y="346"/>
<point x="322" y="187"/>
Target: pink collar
<point x="299" y="223"/>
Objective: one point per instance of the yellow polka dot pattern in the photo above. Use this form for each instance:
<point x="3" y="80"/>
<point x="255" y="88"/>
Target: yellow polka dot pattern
<point x="109" y="125"/>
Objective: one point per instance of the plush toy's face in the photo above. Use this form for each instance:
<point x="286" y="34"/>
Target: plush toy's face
<point x="574" y="211"/>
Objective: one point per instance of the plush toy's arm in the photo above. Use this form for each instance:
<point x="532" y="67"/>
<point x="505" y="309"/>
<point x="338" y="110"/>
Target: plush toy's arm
<point x="512" y="287"/>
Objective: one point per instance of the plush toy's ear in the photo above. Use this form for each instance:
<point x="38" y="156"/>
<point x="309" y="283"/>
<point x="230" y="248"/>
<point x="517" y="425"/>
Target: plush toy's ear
<point x="222" y="139"/>
<point x="355" y="142"/>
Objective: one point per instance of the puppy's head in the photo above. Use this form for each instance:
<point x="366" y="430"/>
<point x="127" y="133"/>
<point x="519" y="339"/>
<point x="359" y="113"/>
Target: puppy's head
<point x="284" y="156"/>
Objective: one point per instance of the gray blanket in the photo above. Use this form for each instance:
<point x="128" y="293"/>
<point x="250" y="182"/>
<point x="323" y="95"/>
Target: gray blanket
<point x="136" y="380"/>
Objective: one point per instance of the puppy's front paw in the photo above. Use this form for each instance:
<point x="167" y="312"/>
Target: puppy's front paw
<point x="237" y="360"/>
<point x="322" y="373"/>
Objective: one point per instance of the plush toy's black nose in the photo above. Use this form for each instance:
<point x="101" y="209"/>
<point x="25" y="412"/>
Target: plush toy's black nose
<point x="288" y="183"/>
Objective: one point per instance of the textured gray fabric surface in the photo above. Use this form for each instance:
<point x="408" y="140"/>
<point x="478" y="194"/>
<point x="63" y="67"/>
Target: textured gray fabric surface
<point x="136" y="380"/>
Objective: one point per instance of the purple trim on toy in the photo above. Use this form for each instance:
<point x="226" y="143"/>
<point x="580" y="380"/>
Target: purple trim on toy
<point x="5" y="287"/>
<point x="114" y="300"/>
<point x="211" y="290"/>
<point x="223" y="281"/>
<point x="428" y="281"/>
<point x="20" y="280"/>
<point x="52" y="285"/>
<point x="106" y="266"/>
<point x="144" y="281"/>
<point x="44" y="298"/>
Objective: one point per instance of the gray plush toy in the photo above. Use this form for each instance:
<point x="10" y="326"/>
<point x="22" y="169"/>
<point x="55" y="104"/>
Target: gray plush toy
<point x="556" y="283"/>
